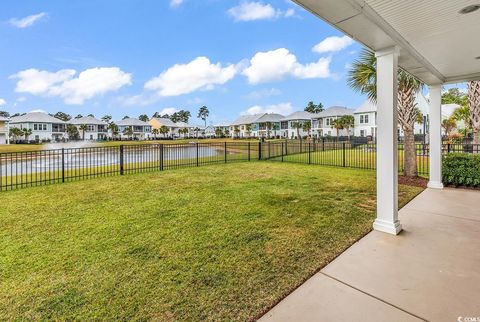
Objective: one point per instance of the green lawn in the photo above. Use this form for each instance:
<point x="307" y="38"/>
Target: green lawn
<point x="221" y="242"/>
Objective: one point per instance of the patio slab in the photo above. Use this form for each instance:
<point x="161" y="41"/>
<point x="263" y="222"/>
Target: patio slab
<point x="430" y="271"/>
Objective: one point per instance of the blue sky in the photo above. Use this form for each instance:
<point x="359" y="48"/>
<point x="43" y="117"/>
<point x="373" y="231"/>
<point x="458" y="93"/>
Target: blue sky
<point x="122" y="57"/>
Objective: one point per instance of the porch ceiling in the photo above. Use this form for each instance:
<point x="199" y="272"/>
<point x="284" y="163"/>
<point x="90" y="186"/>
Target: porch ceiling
<point x="437" y="43"/>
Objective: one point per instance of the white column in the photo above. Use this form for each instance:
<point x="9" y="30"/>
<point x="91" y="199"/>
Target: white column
<point x="435" y="136"/>
<point x="387" y="144"/>
<point x="8" y="132"/>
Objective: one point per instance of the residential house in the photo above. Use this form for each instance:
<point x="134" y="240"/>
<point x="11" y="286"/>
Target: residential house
<point x="242" y="126"/>
<point x="287" y="124"/>
<point x="140" y="130"/>
<point x="158" y="122"/>
<point x="267" y="125"/>
<point x="322" y="123"/>
<point x="4" y="129"/>
<point x="188" y="129"/>
<point x="95" y="129"/>
<point x="44" y="127"/>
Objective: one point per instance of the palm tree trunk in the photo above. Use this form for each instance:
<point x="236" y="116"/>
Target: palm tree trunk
<point x="474" y="105"/>
<point x="409" y="154"/>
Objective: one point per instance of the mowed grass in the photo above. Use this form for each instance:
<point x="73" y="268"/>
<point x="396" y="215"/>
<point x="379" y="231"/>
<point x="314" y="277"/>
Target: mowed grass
<point x="222" y="242"/>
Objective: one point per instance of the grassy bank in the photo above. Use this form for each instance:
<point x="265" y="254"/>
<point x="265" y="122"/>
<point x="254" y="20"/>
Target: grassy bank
<point x="220" y="242"/>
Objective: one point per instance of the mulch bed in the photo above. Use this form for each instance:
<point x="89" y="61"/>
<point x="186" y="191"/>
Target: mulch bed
<point x="413" y="181"/>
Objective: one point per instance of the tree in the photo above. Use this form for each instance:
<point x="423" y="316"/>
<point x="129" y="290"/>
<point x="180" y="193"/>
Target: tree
<point x="203" y="114"/>
<point x="218" y="132"/>
<point x="454" y="96"/>
<point x="338" y="125"/>
<point x="348" y="122"/>
<point x="180" y="116"/>
<point x="72" y="132"/>
<point x="297" y="126"/>
<point x="362" y="77"/>
<point x="15" y="132"/>
<point x="248" y="129"/>
<point x="307" y="127"/>
<point x="114" y="129"/>
<point x="83" y="128"/>
<point x="79" y="116"/>
<point x="164" y="130"/>
<point x="63" y="116"/>
<point x="449" y="125"/>
<point x="473" y="88"/>
<point x="91" y="115"/>
<point x="462" y="113"/>
<point x="107" y="118"/>
<point x="275" y="128"/>
<point x="27" y="133"/>
<point x="312" y="108"/>
<point x="155" y="132"/>
<point x="143" y="117"/>
<point x="125" y="117"/>
<point x="4" y="114"/>
<point x="196" y="130"/>
<point x="128" y="132"/>
<point x="236" y="131"/>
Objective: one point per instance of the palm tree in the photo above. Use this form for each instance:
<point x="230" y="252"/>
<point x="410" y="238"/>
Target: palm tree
<point x="248" y="129"/>
<point x="348" y="122"/>
<point x="218" y="132"/>
<point x="114" y="129"/>
<point x="297" y="126"/>
<point x="474" y="106"/>
<point x="307" y="127"/>
<point x="155" y="132"/>
<point x="27" y="133"/>
<point x="128" y="132"/>
<point x="449" y="124"/>
<point x="15" y="132"/>
<point x="236" y="131"/>
<point x="338" y="125"/>
<point x="275" y="128"/>
<point x="164" y="130"/>
<point x="83" y="128"/>
<point x="363" y="78"/>
<point x="72" y="132"/>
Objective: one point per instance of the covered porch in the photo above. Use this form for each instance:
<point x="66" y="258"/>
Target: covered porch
<point x="428" y="272"/>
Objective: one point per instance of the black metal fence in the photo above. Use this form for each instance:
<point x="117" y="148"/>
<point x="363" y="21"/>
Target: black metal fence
<point x="25" y="169"/>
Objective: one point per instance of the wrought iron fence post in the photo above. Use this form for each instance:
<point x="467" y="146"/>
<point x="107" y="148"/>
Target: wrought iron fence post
<point x="344" y="151"/>
<point x="248" y="150"/>
<point x="448" y="147"/>
<point x="269" y="150"/>
<point x="309" y="153"/>
<point x="282" y="151"/>
<point x="121" y="160"/>
<point x="225" y="152"/>
<point x="161" y="157"/>
<point x="323" y="144"/>
<point x="286" y="147"/>
<point x="63" y="165"/>
<point x="259" y="150"/>
<point x="197" y="152"/>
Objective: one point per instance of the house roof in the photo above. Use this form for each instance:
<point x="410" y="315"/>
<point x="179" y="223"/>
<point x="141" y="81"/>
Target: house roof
<point x="36" y="117"/>
<point x="420" y="100"/>
<point x="87" y="120"/>
<point x="247" y="119"/>
<point x="182" y="124"/>
<point x="334" y="111"/>
<point x="131" y="122"/>
<point x="300" y="115"/>
<point x="270" y="117"/>
<point x="164" y="121"/>
<point x="3" y="119"/>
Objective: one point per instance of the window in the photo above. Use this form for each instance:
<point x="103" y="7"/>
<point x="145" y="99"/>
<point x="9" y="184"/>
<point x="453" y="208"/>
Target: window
<point x="364" y="119"/>
<point x="362" y="133"/>
<point x="361" y="119"/>
<point x="39" y="127"/>
<point x="90" y="128"/>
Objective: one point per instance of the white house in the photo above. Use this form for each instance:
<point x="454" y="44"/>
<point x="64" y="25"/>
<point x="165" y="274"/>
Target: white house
<point x="4" y="129"/>
<point x="242" y="126"/>
<point x="322" y="122"/>
<point x="366" y="118"/>
<point x="267" y="125"/>
<point x="95" y="129"/>
<point x="44" y="127"/>
<point x="287" y="128"/>
<point x="140" y="130"/>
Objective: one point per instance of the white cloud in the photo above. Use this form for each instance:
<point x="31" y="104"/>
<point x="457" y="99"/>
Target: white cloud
<point x="199" y="74"/>
<point x="3" y="102"/>
<point x="280" y="63"/>
<point x="168" y="110"/>
<point x="27" y="21"/>
<point x="175" y="3"/>
<point x="73" y="90"/>
<point x="332" y="44"/>
<point x="282" y="108"/>
<point x="256" y="95"/>
<point x="249" y="11"/>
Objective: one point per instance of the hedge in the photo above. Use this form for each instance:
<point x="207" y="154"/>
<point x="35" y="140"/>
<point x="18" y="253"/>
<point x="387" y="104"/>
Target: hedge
<point x="461" y="169"/>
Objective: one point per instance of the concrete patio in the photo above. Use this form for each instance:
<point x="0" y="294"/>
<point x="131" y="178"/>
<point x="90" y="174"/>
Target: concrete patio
<point x="430" y="271"/>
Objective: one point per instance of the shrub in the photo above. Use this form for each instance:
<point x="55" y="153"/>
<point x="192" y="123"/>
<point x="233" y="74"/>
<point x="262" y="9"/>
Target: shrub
<point x="462" y="169"/>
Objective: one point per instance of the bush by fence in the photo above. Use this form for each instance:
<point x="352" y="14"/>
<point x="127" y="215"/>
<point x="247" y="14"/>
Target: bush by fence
<point x="461" y="169"/>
